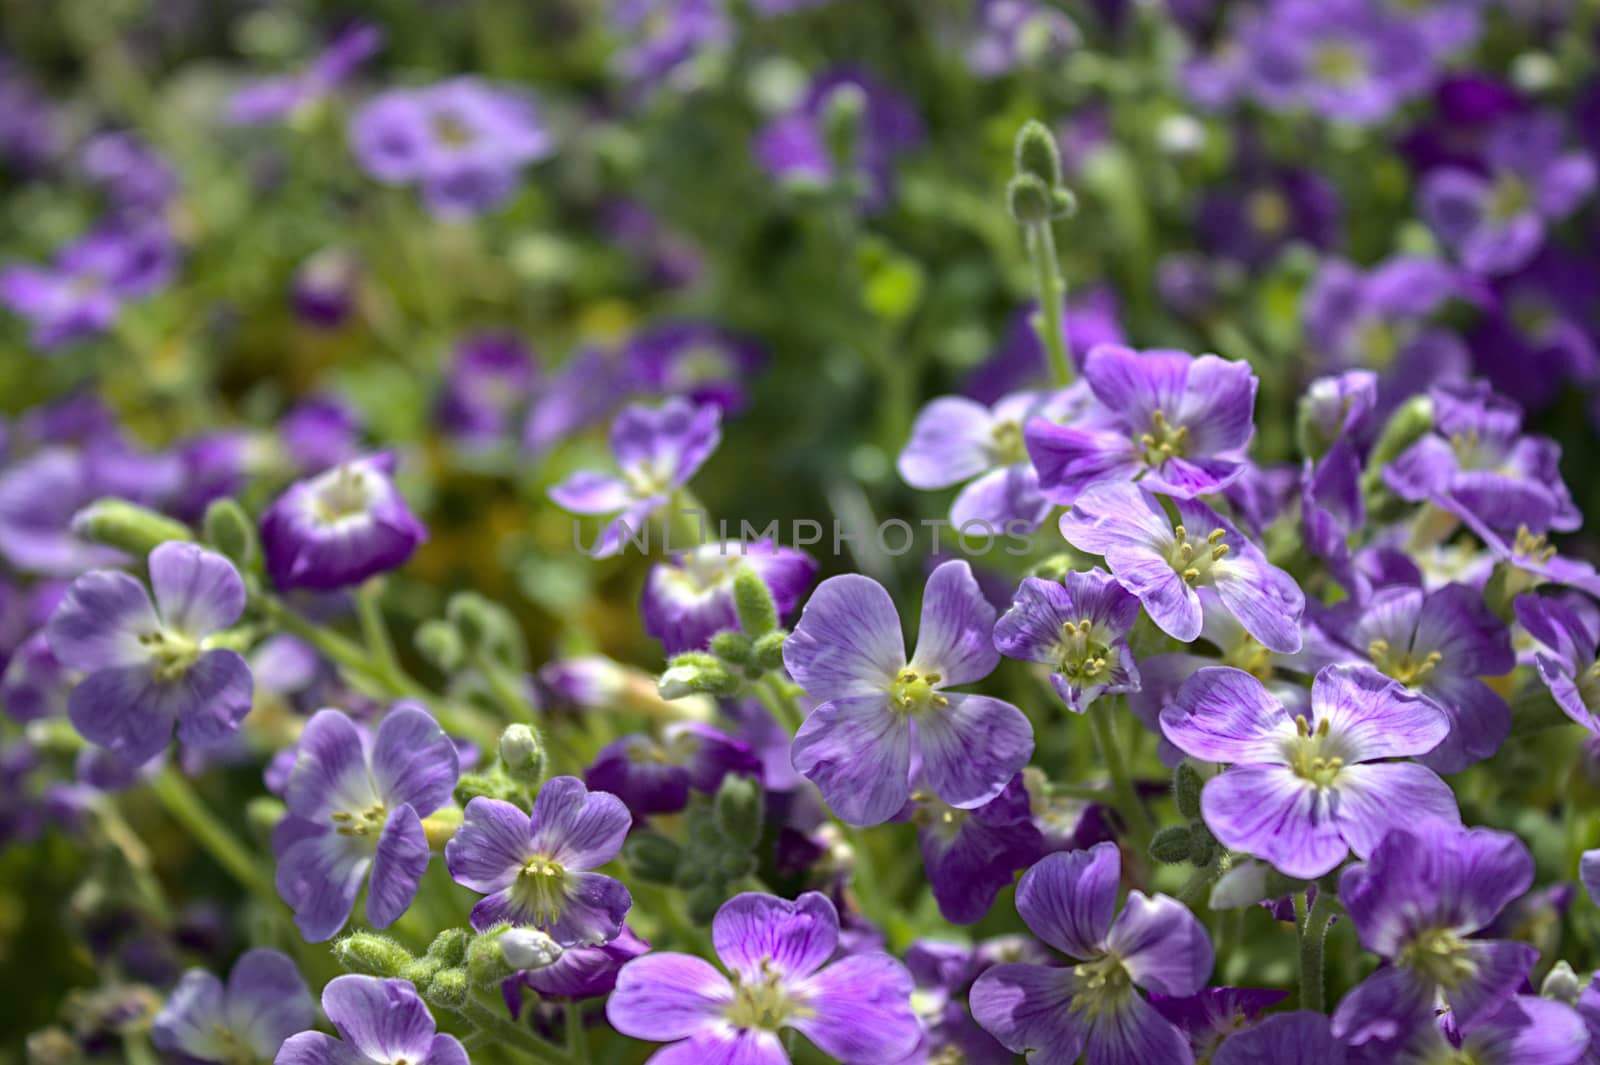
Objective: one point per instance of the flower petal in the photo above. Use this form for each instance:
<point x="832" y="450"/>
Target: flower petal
<point x="212" y="697"/>
<point x="754" y="932"/>
<point x="268" y="1000"/>
<point x="972" y="747"/>
<point x="100" y="620"/>
<point x="1368" y="800"/>
<point x="1028" y="1008"/>
<point x="198" y="592"/>
<point x="576" y="827"/>
<point x="1372" y="716"/>
<point x="397" y="867"/>
<point x="858" y="752"/>
<point x="1161" y="944"/>
<point x="592" y="911"/>
<point x="1499" y="970"/>
<point x="318" y="1048"/>
<point x="330" y="769"/>
<point x="666" y="996"/>
<point x="493" y="843"/>
<point x="189" y="1022"/>
<point x="847" y="641"/>
<point x="413" y="761"/>
<point x="955" y="637"/>
<point x="1133" y="1033"/>
<point x="951" y="442"/>
<point x="125" y="710"/>
<point x="1298" y="1038"/>
<point x="1385" y="1006"/>
<point x="1069" y="898"/>
<point x="860" y="1009"/>
<point x="588" y="492"/>
<point x="1275" y="815"/>
<point x="724" y="1045"/>
<point x="1222" y="714"/>
<point x="319" y="877"/>
<point x="383" y="1019"/>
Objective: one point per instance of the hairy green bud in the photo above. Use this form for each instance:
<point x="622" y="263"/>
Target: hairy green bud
<point x="704" y="902"/>
<point x="733" y="647"/>
<point x="371" y="954"/>
<point x="1029" y="200"/>
<point x="448" y="989"/>
<point x="1036" y="154"/>
<point x="1202" y="844"/>
<point x="752" y="599"/>
<point x="491" y="785"/>
<point x="767" y="652"/>
<point x="486" y="963"/>
<point x="440" y="643"/>
<point x="651" y="857"/>
<point x="522" y="755"/>
<point x="695" y="672"/>
<point x="738" y="809"/>
<point x="1186" y="784"/>
<point x="1171" y="845"/>
<point x="1408" y="424"/>
<point x="449" y="948"/>
<point x="127" y="526"/>
<point x="486" y="628"/>
<point x="229" y="529"/>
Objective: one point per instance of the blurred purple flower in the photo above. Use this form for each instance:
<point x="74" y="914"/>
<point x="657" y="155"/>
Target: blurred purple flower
<point x="280" y="98"/>
<point x="689" y="599"/>
<point x="84" y="291"/>
<point x="264" y="1002"/>
<point x="381" y="1022"/>
<point x="490" y="377"/>
<point x="339" y="527"/>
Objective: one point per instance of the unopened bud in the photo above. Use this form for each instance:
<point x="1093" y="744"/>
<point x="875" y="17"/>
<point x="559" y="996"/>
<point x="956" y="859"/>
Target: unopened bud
<point x="767" y="652"/>
<point x="696" y="673"/>
<point x="528" y="948"/>
<point x="127" y="526"/>
<point x="752" y="599"/>
<point x="1186" y="784"/>
<point x="1243" y="885"/>
<point x="522" y="755"/>
<point x="370" y="954"/>
<point x="1036" y="154"/>
<point x="1029" y="200"/>
<point x="1561" y="984"/>
<point x="1171" y="845"/>
<point x="449" y="948"/>
<point x="734" y="647"/>
<point x="228" y="529"/>
<point x="738" y="810"/>
<point x="439" y="642"/>
<point x="652" y="858"/>
<point x="448" y="989"/>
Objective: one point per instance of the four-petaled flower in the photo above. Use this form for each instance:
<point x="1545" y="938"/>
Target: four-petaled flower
<point x="1305" y="789"/>
<point x="857" y="1009"/>
<point x="150" y="664"/>
<point x="1079" y="628"/>
<point x="264" y="1002"/>
<point x="874" y="707"/>
<point x="535" y="870"/>
<point x="381" y="1022"/>
<point x="1055" y="1013"/>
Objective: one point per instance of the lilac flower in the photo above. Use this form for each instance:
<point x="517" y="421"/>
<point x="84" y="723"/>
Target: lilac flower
<point x="1436" y="645"/>
<point x="1217" y="1013"/>
<point x="1533" y="339"/>
<point x="697" y="360"/>
<point x="663" y="39"/>
<point x="795" y="147"/>
<point x="1054" y="1014"/>
<point x="955" y="440"/>
<point x="381" y="1022"/>
<point x="135" y="178"/>
<point x="584" y="390"/>
<point x="491" y="376"/>
<point x="35" y="685"/>
<point x="464" y="141"/>
<point x="1092" y="318"/>
<point x="942" y="973"/>
<point x="323" y="292"/>
<point x="1495" y="222"/>
<point x="534" y="870"/>
<point x="657" y="449"/>
<point x="320" y="431"/>
<point x="1298" y="1038"/>
<point x="1079" y="627"/>
<point x="280" y="98"/>
<point x="857" y="1009"/>
<point x="264" y="1003"/>
<point x="971" y="854"/>
<point x="1524" y="1030"/>
<point x="1178" y="424"/>
<point x="147" y="664"/>
<point x="689" y="599"/>
<point x="1167" y="566"/>
<point x="655" y="776"/>
<point x="82" y="294"/>
<point x="339" y="527"/>
<point x="1266" y="208"/>
<point x="1567" y="662"/>
<point x="1014" y="34"/>
<point x="357" y="804"/>
<point x="31" y="132"/>
<point x="670" y="259"/>
<point x="1478" y="464"/>
<point x="1304" y="790"/>
<point x="1425" y="888"/>
<point x="39" y="496"/>
<point x="1345" y="60"/>
<point x="874" y="707"/>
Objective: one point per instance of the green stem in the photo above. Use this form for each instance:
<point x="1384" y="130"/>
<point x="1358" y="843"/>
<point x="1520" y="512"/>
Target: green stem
<point x="369" y="611"/>
<point x="1075" y="791"/>
<point x="508" y="1033"/>
<point x="1202" y="877"/>
<point x="783" y="709"/>
<point x="577" y="1038"/>
<point x="1313" y="928"/>
<point x="1133" y="812"/>
<point x="1052" y="292"/>
<point x="189" y="810"/>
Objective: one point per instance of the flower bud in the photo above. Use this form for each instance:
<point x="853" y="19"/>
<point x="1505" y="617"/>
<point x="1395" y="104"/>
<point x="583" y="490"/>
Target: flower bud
<point x="522" y="755"/>
<point x="449" y="948"/>
<point x="1561" y="984"/>
<point x="370" y="954"/>
<point x="1408" y="424"/>
<point x="752" y="599"/>
<point x="1171" y="845"/>
<point x="1186" y="784"/>
<point x="1202" y="845"/>
<point x="695" y="672"/>
<point x="127" y="526"/>
<point x="440" y="643"/>
<point x="767" y="652"/>
<point x="448" y="989"/>
<point x="1036" y="153"/>
<point x="492" y="785"/>
<point x="842" y="116"/>
<point x="1243" y="885"/>
<point x="528" y="948"/>
<point x="738" y="808"/>
<point x="734" y="647"/>
<point x="486" y="628"/>
<point x="486" y="964"/>
<point x="652" y="858"/>
<point x="1029" y="200"/>
<point x="229" y="529"/>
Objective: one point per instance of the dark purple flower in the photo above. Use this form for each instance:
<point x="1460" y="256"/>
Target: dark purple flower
<point x="1567" y="661"/>
<point x="955" y="440"/>
<point x="1479" y="465"/>
<point x="971" y="854"/>
<point x="357" y="803"/>
<point x="657" y="449"/>
<point x="1092" y="317"/>
<point x="586" y="389"/>
<point x="323" y="292"/>
<point x="39" y="496"/>
<point x="264" y="1003"/>
<point x="339" y="527"/>
<point x="1495" y="221"/>
<point x="464" y="141"/>
<point x="1167" y="566"/>
<point x="662" y="39"/>
<point x="942" y="973"/>
<point x="1534" y="338"/>
<point x="149" y="665"/>
<point x="535" y="870"/>
<point x="31" y="132"/>
<point x="1344" y="60"/>
<point x="1079" y="628"/>
<point x="1179" y="425"/>
<point x="655" y="776"/>
<point x="1298" y="1038"/>
<point x="874" y="708"/>
<point x="1305" y="789"/>
<point x="1217" y="1013"/>
<point x="136" y="179"/>
<point x="318" y="432"/>
<point x="671" y="259"/>
<point x="857" y="1009"/>
<point x="689" y="599"/>
<point x="490" y="379"/>
<point x="381" y="1022"/>
<point x="1524" y="1030"/>
<point x="1424" y="889"/>
<point x="1016" y="34"/>
<point x="280" y="98"/>
<point x="581" y="972"/>
<point x="83" y="292"/>
<point x="697" y="360"/>
<point x="1054" y="1013"/>
<point x="1265" y="208"/>
<point x="795" y="147"/>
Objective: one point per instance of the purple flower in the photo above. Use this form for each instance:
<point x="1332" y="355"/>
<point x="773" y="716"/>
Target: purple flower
<point x="1052" y="1013"/>
<point x="655" y="776"/>
<point x="662" y="39"/>
<point x="1020" y="362"/>
<point x="1180" y="425"/>
<point x="135" y="178"/>
<point x="1305" y="789"/>
<point x="357" y="804"/>
<point x="1422" y="892"/>
<point x="264" y="1003"/>
<point x="1567" y="661"/>
<point x="1495" y="221"/>
<point x="323" y="292"/>
<point x="1265" y="208"/>
<point x="1478" y="464"/>
<point x="339" y="527"/>
<point x="1436" y="645"/>
<point x="464" y="141"/>
<point x="39" y="496"/>
<point x="1533" y="339"/>
<point x="1168" y="566"/>
<point x="971" y="854"/>
<point x="491" y="376"/>
<point x="280" y="98"/>
<point x="669" y="258"/>
<point x="318" y="432"/>
<point x="795" y="147"/>
<point x="1298" y="1038"/>
<point x="147" y="664"/>
<point x="1345" y="60"/>
<point x="1217" y="1013"/>
<point x="35" y="685"/>
<point x="381" y="1022"/>
<point x="689" y="599"/>
<point x="1079" y="627"/>
<point x="857" y="1009"/>
<point x="956" y="440"/>
<point x="697" y="360"/>
<point x="82" y="294"/>
<point x="658" y="449"/>
<point x="942" y="973"/>
<point x="1014" y="34"/>
<point x="534" y="869"/>
<point x="580" y="972"/>
<point x="873" y="707"/>
<point x="1524" y="1030"/>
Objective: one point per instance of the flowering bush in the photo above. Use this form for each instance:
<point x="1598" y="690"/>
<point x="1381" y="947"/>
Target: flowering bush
<point x="737" y="532"/>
